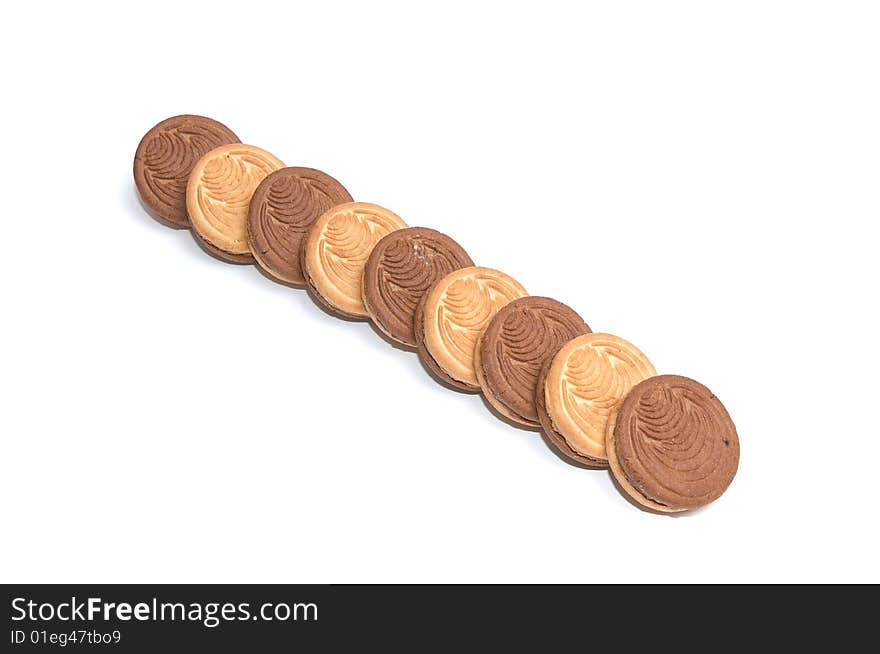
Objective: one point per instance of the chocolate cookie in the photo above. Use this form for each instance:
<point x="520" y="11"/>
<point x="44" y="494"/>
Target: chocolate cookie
<point x="455" y="311"/>
<point x="673" y="446"/>
<point x="336" y="249"/>
<point x="283" y="208"/>
<point x="166" y="156"/>
<point x="218" y="194"/>
<point x="399" y="271"/>
<point x="515" y="346"/>
<point x="586" y="380"/>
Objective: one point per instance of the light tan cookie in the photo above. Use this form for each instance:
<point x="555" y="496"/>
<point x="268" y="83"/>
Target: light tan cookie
<point x="432" y="366"/>
<point x="336" y="250"/>
<point x="218" y="194"/>
<point x="455" y="312"/>
<point x="552" y="437"/>
<point x="586" y="380"/>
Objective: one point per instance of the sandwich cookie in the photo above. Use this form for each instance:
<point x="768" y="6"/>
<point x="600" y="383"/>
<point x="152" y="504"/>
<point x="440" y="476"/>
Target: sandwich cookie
<point x="672" y="445"/>
<point x="581" y="385"/>
<point x="164" y="159"/>
<point x="283" y="208"/>
<point x="399" y="271"/>
<point x="218" y="195"/>
<point x="335" y="252"/>
<point x="452" y="316"/>
<point x="521" y="337"/>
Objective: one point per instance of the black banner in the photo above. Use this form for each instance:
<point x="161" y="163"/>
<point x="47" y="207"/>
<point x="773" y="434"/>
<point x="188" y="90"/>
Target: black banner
<point x="135" y="618"/>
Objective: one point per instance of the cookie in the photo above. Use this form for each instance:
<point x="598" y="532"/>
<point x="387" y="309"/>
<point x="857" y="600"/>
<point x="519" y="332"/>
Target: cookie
<point x="399" y="271"/>
<point x="585" y="381"/>
<point x="283" y="208"/>
<point x="673" y="446"/>
<point x="554" y="439"/>
<point x="454" y="313"/>
<point x="425" y="357"/>
<point x="166" y="156"/>
<point x="218" y="195"/>
<point x="335" y="252"/>
<point x="513" y="349"/>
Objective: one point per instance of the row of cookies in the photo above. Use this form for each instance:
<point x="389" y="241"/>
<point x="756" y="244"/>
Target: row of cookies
<point x="668" y="441"/>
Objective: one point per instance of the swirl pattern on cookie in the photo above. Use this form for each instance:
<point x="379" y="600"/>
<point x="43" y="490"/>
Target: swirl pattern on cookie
<point x="283" y="208"/>
<point x="219" y="192"/>
<point x="457" y="310"/>
<point x="399" y="271"/>
<point x="674" y="443"/>
<point x="552" y="437"/>
<point x="337" y="248"/>
<point x="589" y="376"/>
<point x="515" y="346"/>
<point x="165" y="157"/>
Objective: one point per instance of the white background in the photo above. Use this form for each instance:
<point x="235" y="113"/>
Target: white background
<point x="699" y="178"/>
